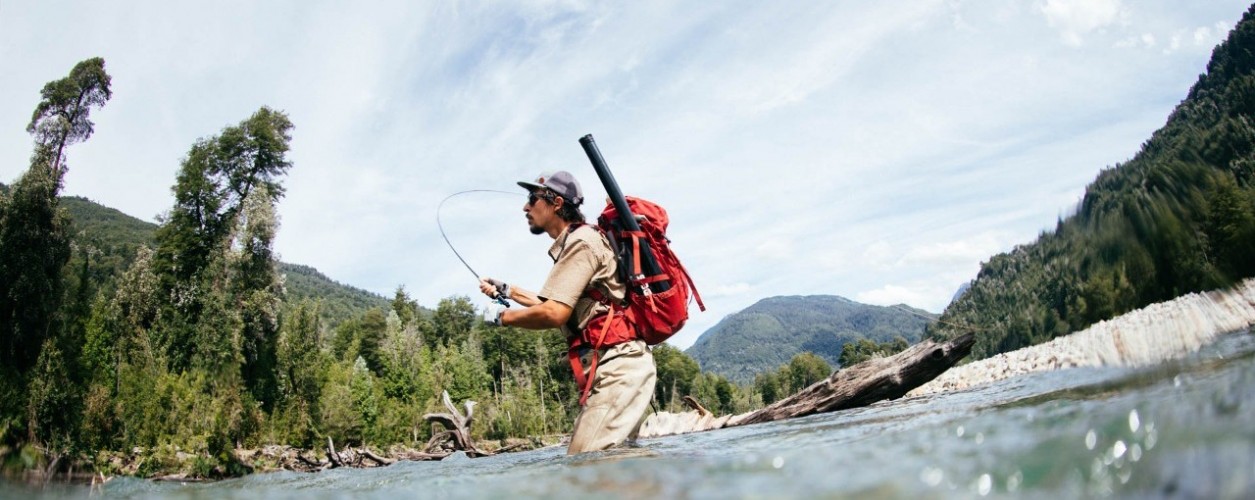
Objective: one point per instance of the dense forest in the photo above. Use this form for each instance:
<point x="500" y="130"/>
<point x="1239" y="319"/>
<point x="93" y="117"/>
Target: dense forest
<point x="1177" y="218"/>
<point x="112" y="238"/>
<point x="773" y="330"/>
<point x="189" y="338"/>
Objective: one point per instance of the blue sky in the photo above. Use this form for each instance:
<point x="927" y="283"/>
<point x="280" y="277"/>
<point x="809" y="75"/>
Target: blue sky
<point x="875" y="150"/>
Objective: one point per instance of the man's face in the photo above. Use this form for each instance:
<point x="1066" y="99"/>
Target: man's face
<point x="540" y="210"/>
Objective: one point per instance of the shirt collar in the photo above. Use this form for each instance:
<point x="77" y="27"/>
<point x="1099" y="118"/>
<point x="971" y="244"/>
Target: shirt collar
<point x="559" y="243"/>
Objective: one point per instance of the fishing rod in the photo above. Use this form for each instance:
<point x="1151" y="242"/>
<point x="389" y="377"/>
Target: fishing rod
<point x="498" y="297"/>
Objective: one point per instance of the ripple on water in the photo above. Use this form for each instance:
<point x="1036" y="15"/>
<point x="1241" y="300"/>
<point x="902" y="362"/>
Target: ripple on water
<point x="1177" y="429"/>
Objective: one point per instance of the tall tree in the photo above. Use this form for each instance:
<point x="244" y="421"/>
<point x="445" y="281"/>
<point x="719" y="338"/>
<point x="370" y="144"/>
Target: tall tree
<point x="34" y="250"/>
<point x="62" y="118"/>
<point x="34" y="244"/>
<point x="405" y="307"/>
<point x="217" y="176"/>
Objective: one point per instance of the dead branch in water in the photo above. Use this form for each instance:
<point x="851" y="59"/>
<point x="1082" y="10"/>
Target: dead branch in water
<point x="457" y="437"/>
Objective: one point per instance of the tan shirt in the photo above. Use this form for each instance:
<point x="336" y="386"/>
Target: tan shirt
<point x="581" y="258"/>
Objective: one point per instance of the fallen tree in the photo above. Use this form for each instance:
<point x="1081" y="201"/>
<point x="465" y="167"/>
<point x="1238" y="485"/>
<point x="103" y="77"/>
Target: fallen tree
<point x="868" y="382"/>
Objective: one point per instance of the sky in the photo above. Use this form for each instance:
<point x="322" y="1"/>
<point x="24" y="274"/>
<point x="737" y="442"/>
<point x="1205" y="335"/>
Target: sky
<point x="880" y="151"/>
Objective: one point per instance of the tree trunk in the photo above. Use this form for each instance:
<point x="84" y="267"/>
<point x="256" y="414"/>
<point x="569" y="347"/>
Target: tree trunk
<point x="859" y="385"/>
<point x="868" y="382"/>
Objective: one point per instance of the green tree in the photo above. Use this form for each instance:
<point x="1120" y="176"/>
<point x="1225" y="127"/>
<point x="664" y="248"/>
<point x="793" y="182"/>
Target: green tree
<point x="461" y="370"/>
<point x="259" y="292"/>
<point x="119" y="323"/>
<point x="405" y="307"/>
<point x="453" y="321"/>
<point x="676" y="372"/>
<point x="34" y="250"/>
<point x="371" y="331"/>
<point x="216" y="177"/>
<point x="805" y="369"/>
<point x="34" y="247"/>
<point x="1230" y="229"/>
<point x="767" y="384"/>
<point x="853" y="353"/>
<point x="300" y="373"/>
<point x="62" y="118"/>
<point x="406" y="362"/>
<point x="715" y="392"/>
<point x="365" y="398"/>
<point x="338" y="411"/>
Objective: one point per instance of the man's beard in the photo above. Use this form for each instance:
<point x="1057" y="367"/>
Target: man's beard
<point x="537" y="230"/>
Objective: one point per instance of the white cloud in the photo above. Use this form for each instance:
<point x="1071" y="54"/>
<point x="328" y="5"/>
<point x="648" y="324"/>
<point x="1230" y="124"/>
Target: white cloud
<point x="1076" y="18"/>
<point x="963" y="251"/>
<point x="1202" y="35"/>
<point x="917" y="295"/>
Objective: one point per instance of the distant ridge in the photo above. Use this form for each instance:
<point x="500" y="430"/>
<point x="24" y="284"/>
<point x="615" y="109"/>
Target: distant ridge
<point x="769" y="333"/>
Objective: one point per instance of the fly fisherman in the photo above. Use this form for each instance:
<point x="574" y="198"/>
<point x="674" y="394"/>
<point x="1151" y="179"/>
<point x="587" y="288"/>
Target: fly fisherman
<point x="582" y="287"/>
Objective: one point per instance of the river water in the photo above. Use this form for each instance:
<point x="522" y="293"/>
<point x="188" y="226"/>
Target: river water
<point x="1184" y="428"/>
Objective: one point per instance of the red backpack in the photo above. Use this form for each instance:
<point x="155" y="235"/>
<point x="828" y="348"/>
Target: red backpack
<point x="656" y="315"/>
<point x="651" y="316"/>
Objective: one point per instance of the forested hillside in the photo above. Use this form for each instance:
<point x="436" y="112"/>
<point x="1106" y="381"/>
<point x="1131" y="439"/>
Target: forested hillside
<point x="338" y="301"/>
<point x="112" y="238"/>
<point x="772" y="331"/>
<point x="1178" y="217"/>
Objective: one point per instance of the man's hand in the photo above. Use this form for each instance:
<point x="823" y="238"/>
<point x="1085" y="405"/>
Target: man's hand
<point x="494" y="288"/>
<point x="492" y="315"/>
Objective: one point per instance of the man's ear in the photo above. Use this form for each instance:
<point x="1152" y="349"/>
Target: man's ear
<point x="556" y="204"/>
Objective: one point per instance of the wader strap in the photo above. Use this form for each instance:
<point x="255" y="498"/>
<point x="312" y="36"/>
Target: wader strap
<point x="586" y="383"/>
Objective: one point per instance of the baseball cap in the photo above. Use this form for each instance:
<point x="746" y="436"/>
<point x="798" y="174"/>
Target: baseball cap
<point x="560" y="182"/>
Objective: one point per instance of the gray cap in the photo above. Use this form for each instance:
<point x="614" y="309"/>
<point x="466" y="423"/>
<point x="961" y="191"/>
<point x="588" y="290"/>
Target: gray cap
<point x="561" y="182"/>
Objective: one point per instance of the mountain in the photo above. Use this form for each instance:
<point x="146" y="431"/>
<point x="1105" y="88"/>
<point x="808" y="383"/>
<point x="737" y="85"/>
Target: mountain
<point x="116" y="236"/>
<point x="339" y="301"/>
<point x="962" y="290"/>
<point x="769" y="333"/>
<point x="1179" y="217"/>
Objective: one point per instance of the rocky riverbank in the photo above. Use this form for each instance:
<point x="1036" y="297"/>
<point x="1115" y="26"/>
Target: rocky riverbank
<point x="1155" y="333"/>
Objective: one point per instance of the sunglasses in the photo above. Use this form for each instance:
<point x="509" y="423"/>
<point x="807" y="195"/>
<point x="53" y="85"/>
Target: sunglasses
<point x="537" y="195"/>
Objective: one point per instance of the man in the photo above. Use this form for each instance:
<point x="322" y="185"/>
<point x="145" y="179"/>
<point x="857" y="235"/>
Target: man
<point x="623" y="381"/>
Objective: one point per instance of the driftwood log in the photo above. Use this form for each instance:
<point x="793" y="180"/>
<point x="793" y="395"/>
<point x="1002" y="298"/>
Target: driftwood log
<point x="457" y="433"/>
<point x="859" y="385"/>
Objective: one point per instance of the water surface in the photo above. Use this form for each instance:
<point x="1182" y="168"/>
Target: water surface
<point x="1185" y="428"/>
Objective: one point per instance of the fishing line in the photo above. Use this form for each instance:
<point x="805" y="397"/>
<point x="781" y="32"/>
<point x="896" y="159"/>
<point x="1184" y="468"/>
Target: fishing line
<point x="501" y="300"/>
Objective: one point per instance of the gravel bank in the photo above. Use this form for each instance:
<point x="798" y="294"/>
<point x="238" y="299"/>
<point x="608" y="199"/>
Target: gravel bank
<point x="1152" y="334"/>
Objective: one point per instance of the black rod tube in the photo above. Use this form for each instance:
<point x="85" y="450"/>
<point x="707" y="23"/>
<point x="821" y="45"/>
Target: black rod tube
<point x="649" y="264"/>
<point x="607" y="180"/>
